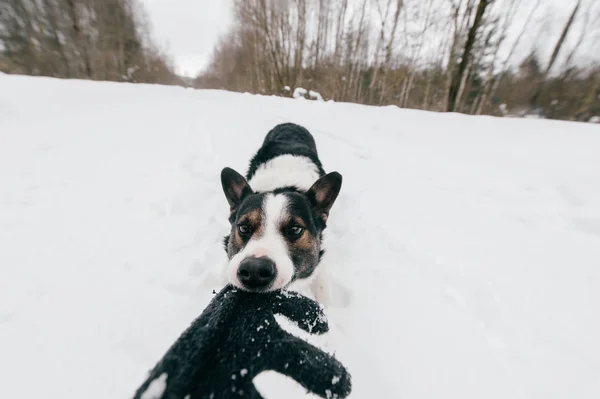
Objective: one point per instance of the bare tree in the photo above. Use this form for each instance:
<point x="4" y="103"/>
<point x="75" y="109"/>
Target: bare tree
<point x="458" y="78"/>
<point x="503" y="69"/>
<point x="383" y="17"/>
<point x="458" y="26"/>
<point x="416" y="55"/>
<point x="489" y="79"/>
<point x="79" y="37"/>
<point x="535" y="98"/>
<point x="93" y="39"/>
<point x="352" y="88"/>
<point x="584" y="31"/>
<point x="389" y="49"/>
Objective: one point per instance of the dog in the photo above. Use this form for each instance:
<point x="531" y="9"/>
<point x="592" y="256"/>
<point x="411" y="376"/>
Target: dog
<point x="278" y="214"/>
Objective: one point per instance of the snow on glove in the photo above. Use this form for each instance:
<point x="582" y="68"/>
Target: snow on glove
<point x="236" y="338"/>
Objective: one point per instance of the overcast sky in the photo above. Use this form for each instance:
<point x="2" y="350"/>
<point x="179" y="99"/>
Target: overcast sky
<point x="188" y="29"/>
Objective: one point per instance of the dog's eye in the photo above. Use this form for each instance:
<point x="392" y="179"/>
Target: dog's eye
<point x="296" y="230"/>
<point x="244" y="229"/>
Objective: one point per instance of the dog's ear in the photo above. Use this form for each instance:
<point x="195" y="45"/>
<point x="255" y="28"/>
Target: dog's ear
<point x="324" y="192"/>
<point x="235" y="187"/>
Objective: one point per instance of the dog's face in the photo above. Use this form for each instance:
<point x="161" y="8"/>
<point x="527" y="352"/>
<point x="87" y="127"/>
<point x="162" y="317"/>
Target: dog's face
<point x="275" y="237"/>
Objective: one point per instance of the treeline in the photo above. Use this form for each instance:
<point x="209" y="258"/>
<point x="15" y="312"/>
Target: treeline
<point x="84" y="39"/>
<point x="442" y="55"/>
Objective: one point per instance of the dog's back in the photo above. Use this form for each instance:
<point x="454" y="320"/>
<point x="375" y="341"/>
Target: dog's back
<point x="290" y="137"/>
<point x="288" y="158"/>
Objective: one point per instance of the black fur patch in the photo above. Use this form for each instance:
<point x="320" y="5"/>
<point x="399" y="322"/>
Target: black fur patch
<point x="233" y="242"/>
<point x="254" y="201"/>
<point x="286" y="139"/>
<point x="287" y="189"/>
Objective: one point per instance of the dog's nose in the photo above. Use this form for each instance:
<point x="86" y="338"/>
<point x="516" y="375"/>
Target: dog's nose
<point x="256" y="273"/>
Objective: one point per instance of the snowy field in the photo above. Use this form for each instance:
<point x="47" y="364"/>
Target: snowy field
<point x="470" y="245"/>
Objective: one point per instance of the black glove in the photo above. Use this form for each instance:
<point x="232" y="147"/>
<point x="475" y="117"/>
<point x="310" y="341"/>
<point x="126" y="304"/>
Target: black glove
<point x="235" y="339"/>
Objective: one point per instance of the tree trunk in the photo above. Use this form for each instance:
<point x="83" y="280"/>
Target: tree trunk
<point x="538" y="91"/>
<point x="416" y="55"/>
<point x="378" y="46"/>
<point x="340" y="34"/>
<point x="301" y="39"/>
<point x="425" y="104"/>
<point x="80" y="39"/>
<point x="388" y="52"/>
<point x="49" y="8"/>
<point x="462" y="87"/>
<point x="272" y="51"/>
<point x="498" y="79"/>
<point x="458" y="77"/>
<point x="355" y="57"/>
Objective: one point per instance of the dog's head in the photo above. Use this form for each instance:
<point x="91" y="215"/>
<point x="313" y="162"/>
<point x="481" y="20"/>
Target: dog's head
<point x="275" y="237"/>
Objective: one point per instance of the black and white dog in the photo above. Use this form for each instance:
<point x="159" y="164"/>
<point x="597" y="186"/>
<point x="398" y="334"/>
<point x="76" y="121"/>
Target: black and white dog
<point x="279" y="213"/>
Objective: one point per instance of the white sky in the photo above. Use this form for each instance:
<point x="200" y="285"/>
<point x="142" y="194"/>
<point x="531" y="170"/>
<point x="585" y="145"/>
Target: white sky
<point x="188" y="29"/>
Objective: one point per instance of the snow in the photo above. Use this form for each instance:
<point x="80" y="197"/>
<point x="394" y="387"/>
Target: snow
<point x="272" y="385"/>
<point x="156" y="388"/>
<point x="315" y="95"/>
<point x="299" y="92"/>
<point x="470" y="246"/>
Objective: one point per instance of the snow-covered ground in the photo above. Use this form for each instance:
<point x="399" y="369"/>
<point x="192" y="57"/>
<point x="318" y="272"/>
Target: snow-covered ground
<point x="471" y="245"/>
